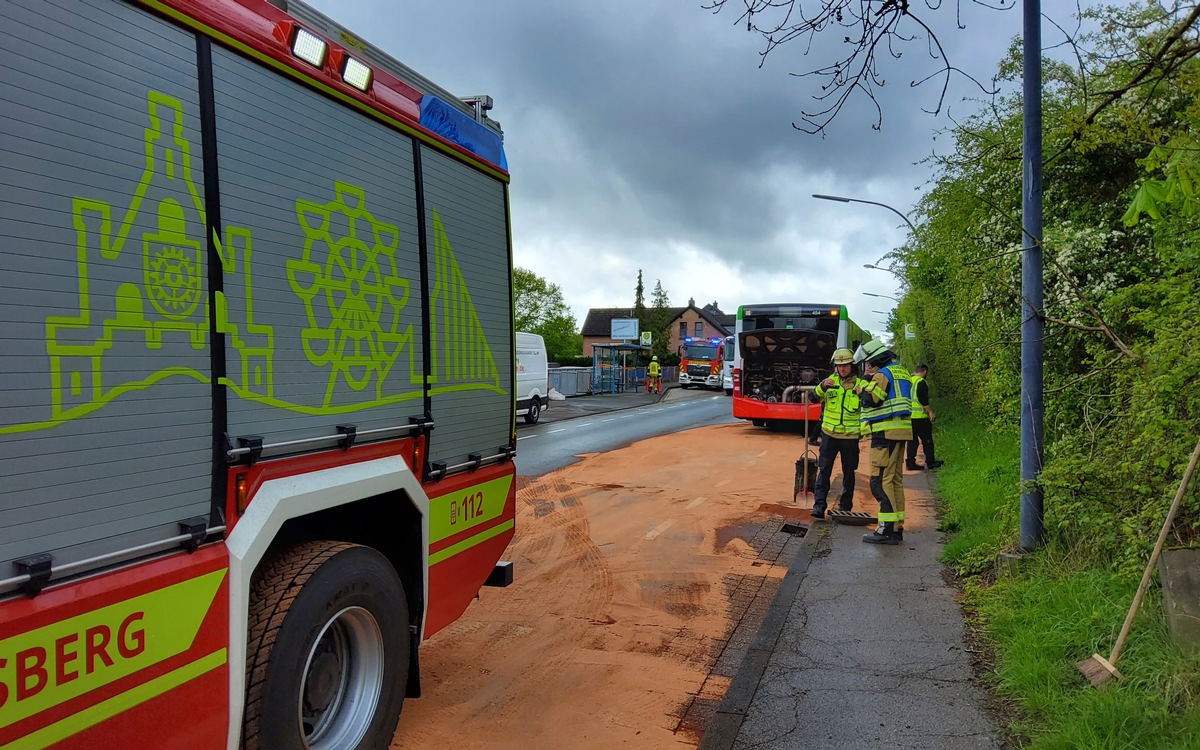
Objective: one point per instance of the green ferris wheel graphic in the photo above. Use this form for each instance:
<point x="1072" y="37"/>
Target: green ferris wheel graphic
<point x="352" y="292"/>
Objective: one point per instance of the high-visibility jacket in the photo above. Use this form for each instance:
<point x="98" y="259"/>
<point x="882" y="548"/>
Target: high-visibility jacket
<point x="894" y="411"/>
<point x="841" y="407"/>
<point x="918" y="409"/>
<point x="655" y="369"/>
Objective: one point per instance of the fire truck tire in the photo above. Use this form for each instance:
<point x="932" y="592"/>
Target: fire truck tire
<point x="535" y="411"/>
<point x="728" y="391"/>
<point x="328" y="652"/>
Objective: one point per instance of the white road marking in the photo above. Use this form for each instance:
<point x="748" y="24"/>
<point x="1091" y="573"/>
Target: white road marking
<point x="526" y="437"/>
<point x="694" y="503"/>
<point x="564" y="429"/>
<point x="660" y="528"/>
<point x="585" y="424"/>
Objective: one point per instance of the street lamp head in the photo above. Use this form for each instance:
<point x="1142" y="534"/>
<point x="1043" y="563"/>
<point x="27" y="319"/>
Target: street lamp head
<point x="837" y="198"/>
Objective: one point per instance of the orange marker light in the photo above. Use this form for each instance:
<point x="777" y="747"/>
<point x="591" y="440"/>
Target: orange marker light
<point x="240" y="492"/>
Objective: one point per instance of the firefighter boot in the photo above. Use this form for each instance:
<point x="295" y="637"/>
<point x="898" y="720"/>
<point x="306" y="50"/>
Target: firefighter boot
<point x="912" y="466"/>
<point x="883" y="534"/>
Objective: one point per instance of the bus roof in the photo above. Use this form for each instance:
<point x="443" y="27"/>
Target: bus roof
<point x="802" y="309"/>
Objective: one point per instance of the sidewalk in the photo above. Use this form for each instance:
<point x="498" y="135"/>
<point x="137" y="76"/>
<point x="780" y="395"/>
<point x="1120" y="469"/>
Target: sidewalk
<point x="862" y="648"/>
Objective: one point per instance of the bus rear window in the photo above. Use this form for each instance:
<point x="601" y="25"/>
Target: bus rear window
<point x="789" y="322"/>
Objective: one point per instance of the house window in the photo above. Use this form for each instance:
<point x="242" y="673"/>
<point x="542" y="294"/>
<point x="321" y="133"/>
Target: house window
<point x="683" y="330"/>
<point x="699" y="330"/>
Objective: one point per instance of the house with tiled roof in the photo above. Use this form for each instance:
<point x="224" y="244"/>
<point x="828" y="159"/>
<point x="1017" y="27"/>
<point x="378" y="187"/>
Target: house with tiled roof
<point x="690" y="321"/>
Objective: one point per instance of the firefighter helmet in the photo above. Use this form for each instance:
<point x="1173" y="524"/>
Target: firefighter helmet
<point x="871" y="351"/>
<point x="843" y="357"/>
<point x="654" y="358"/>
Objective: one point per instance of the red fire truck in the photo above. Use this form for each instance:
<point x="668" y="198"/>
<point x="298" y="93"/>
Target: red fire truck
<point x="701" y="363"/>
<point x="256" y="380"/>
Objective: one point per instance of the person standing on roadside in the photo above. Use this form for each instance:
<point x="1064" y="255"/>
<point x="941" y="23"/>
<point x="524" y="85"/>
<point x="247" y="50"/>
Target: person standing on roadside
<point x="887" y="415"/>
<point x="654" y="382"/>
<point x="840" y="428"/>
<point x="922" y="422"/>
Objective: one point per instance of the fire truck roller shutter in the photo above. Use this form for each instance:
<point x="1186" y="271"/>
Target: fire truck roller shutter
<point x="105" y="419"/>
<point x="466" y="227"/>
<point x="323" y="291"/>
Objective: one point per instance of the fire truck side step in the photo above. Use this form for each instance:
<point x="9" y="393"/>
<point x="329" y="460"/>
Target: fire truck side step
<point x="502" y="575"/>
<point x="853" y="518"/>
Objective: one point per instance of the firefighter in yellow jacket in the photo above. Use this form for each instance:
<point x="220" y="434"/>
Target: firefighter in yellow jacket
<point x="654" y="381"/>
<point x="840" y="430"/>
<point x="887" y="416"/>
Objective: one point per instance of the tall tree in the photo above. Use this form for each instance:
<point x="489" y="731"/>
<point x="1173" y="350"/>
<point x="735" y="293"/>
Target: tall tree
<point x="538" y="307"/>
<point x="639" y="303"/>
<point x="660" y="319"/>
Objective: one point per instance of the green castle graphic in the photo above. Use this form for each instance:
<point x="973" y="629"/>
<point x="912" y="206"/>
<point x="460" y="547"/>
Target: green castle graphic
<point x="346" y="282"/>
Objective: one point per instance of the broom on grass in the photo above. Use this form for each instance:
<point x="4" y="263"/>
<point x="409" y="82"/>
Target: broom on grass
<point x="1096" y="668"/>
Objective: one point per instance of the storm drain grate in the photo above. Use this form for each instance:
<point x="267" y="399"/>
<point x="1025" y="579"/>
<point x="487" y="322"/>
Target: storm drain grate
<point x="852" y="518"/>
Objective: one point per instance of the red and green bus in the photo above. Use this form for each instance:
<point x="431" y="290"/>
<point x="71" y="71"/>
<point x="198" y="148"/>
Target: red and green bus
<point x="783" y="352"/>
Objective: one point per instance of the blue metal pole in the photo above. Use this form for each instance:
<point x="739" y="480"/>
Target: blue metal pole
<point x="1032" y="326"/>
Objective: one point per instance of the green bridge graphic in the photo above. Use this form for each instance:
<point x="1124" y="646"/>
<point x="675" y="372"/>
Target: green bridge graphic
<point x="345" y="279"/>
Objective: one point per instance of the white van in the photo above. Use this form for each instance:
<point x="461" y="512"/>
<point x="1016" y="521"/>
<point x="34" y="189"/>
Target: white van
<point x="532" y="377"/>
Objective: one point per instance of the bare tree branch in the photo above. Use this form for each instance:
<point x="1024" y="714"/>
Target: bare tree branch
<point x="867" y="27"/>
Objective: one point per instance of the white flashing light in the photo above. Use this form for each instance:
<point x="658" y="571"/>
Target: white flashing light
<point x="357" y="74"/>
<point x="309" y="47"/>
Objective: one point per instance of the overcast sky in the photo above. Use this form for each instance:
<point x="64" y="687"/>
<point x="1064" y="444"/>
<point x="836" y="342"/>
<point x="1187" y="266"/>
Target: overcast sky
<point x="644" y="134"/>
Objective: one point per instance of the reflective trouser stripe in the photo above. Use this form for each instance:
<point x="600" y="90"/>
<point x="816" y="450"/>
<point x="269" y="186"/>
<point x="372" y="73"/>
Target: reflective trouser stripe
<point x="893" y="517"/>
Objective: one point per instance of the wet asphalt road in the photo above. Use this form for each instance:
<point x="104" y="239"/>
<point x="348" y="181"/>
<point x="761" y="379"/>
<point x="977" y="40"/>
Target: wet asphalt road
<point x="547" y="446"/>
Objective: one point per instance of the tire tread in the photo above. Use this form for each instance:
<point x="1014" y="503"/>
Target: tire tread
<point x="272" y="594"/>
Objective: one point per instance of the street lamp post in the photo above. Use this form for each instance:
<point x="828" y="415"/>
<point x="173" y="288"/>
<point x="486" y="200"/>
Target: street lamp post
<point x="885" y="296"/>
<point x="841" y="199"/>
<point x="881" y="268"/>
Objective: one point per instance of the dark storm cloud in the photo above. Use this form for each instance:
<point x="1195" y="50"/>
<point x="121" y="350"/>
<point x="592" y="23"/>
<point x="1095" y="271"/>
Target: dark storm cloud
<point x="644" y="135"/>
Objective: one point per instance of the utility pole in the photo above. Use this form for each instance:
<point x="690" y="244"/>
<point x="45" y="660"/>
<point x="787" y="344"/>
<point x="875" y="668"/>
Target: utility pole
<point x="1033" y="528"/>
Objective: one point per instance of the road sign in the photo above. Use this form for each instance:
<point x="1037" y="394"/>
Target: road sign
<point x="910" y="331"/>
<point x="646" y="338"/>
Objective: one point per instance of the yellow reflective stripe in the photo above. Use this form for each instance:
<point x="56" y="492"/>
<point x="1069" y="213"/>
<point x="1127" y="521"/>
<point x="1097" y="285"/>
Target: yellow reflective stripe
<point x="893" y="517"/>
<point x="105" y="710"/>
<point x="466" y="544"/>
<point x="900" y="515"/>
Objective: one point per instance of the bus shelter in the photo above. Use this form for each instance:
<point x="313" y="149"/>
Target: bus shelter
<point x="615" y="368"/>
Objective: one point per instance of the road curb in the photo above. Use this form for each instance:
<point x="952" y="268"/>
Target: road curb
<point x="723" y="730"/>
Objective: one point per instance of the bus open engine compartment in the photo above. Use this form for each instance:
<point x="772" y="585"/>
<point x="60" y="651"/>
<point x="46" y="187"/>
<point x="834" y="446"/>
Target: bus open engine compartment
<point x="781" y="365"/>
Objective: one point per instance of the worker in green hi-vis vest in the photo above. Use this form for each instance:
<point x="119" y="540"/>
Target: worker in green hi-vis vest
<point x="922" y="422"/>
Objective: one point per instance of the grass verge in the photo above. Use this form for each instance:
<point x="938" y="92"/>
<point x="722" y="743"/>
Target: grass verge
<point x="1058" y="606"/>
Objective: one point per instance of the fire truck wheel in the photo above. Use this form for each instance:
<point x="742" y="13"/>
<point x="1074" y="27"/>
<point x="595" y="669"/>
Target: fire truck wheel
<point x="327" y="655"/>
<point x="535" y="411"/>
